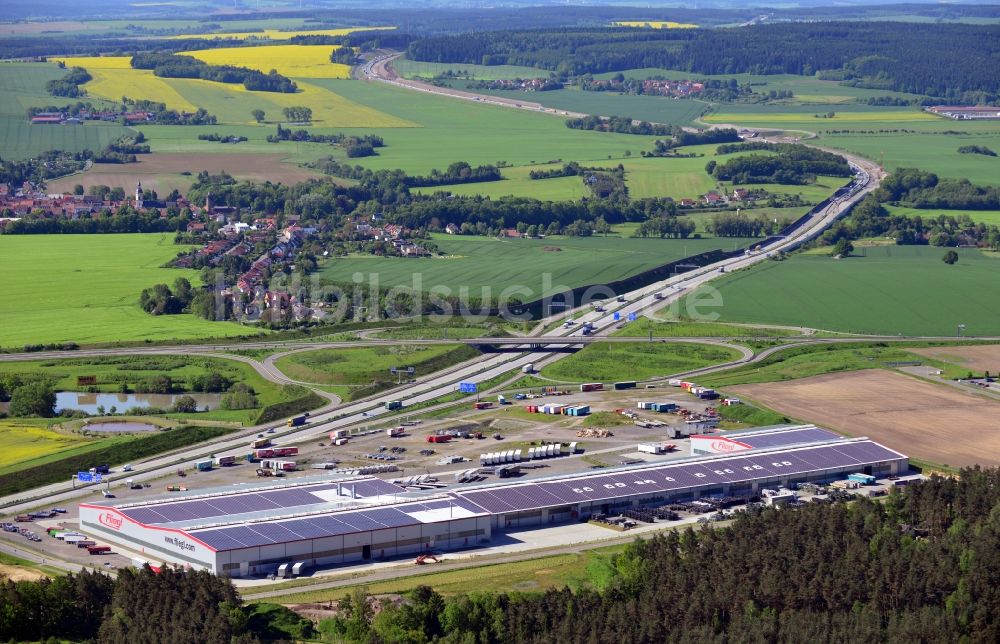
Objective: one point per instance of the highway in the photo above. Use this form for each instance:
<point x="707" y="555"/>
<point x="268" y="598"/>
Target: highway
<point x="437" y="385"/>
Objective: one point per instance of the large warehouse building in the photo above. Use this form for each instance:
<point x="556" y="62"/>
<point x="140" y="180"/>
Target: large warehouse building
<point x="254" y="531"/>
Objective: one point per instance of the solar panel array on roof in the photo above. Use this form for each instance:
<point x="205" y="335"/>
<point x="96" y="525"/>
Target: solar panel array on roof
<point x="729" y="470"/>
<point x="328" y="525"/>
<point x="763" y="440"/>
<point x="254" y="501"/>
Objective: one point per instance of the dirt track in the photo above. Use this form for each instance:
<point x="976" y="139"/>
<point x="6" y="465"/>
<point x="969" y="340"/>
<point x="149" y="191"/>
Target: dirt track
<point x="920" y="419"/>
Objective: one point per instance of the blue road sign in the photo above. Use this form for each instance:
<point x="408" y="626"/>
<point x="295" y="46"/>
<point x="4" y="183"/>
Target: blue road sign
<point x="468" y="387"/>
<point x="632" y="317"/>
<point x="87" y="477"/>
<point x="618" y="316"/>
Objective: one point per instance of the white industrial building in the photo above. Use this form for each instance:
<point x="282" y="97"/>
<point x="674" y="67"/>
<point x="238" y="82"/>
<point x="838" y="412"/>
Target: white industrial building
<point x="320" y="523"/>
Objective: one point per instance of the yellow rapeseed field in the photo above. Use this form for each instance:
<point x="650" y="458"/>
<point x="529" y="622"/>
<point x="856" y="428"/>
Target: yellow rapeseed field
<point x="275" y="34"/>
<point x="230" y="103"/>
<point x="657" y="24"/>
<point x="294" y="61"/>
<point x="23" y="442"/>
<point x="90" y="63"/>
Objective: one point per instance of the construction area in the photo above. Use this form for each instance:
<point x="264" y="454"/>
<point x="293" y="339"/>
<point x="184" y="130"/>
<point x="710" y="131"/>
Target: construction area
<point x="937" y="424"/>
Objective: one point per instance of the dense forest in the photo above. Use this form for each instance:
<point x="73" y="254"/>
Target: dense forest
<point x="951" y="61"/>
<point x="140" y="606"/>
<point x="920" y="567"/>
<point x="921" y="189"/>
<point x="789" y="164"/>
<point x="175" y="66"/>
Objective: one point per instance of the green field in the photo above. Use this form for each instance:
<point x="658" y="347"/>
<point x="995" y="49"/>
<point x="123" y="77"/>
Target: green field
<point x="683" y="328"/>
<point x="484" y="262"/>
<point x="890" y="290"/>
<point x="806" y="89"/>
<point x="517" y="182"/>
<point x="612" y="361"/>
<point x="934" y="152"/>
<point x="978" y="216"/>
<point x="361" y="371"/>
<point x="451" y="130"/>
<point x="28" y="440"/>
<point x="85" y="289"/>
<point x="657" y="109"/>
<point x="417" y="69"/>
<point x="22" y="85"/>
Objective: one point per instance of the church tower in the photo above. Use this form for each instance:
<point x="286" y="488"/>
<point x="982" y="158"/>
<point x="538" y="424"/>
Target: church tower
<point x="138" y="194"/>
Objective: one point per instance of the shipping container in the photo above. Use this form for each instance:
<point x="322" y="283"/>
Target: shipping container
<point x="203" y="466"/>
<point x="223" y="461"/>
<point x="286" y="451"/>
<point x="438" y="439"/>
<point x="628" y="384"/>
<point x="863" y="479"/>
<point x="592" y="386"/>
<point x="395" y="432"/>
<point x="266" y="452"/>
<point x="340" y="441"/>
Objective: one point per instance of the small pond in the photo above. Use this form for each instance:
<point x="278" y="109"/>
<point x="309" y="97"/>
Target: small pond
<point x="87" y="402"/>
<point x="123" y="427"/>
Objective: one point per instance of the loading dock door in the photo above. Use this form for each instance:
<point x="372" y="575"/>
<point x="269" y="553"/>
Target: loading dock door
<point x="366" y="552"/>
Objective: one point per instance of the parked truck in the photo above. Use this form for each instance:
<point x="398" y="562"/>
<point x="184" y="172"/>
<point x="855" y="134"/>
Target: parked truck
<point x="592" y="386"/>
<point x="395" y="432"/>
<point x="528" y="368"/>
<point x="225" y="461"/>
<point x="204" y="466"/>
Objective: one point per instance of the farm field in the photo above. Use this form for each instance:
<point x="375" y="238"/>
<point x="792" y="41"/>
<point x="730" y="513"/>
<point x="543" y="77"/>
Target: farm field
<point x="230" y="103"/>
<point x="294" y="61"/>
<point x="890" y="290"/>
<point x="274" y="34"/>
<point x="26" y="440"/>
<point x="978" y="216"/>
<point x="162" y="172"/>
<point x="927" y="421"/>
<point x="682" y="177"/>
<point x="656" y="24"/>
<point x="807" y="90"/>
<point x="656" y="109"/>
<point x="933" y="152"/>
<point x="85" y="289"/>
<point x="487" y="263"/>
<point x="517" y="182"/>
<point x="449" y="130"/>
<point x="155" y="26"/>
<point x="604" y="362"/>
<point x="976" y="358"/>
<point x="22" y="85"/>
<point x="417" y="69"/>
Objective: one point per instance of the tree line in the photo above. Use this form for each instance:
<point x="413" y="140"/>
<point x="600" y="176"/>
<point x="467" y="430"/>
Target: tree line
<point x="69" y="85"/>
<point x="169" y="65"/>
<point x="941" y="60"/>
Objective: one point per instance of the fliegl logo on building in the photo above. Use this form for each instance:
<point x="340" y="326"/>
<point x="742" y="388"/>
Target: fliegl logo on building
<point x="179" y="543"/>
<point x="111" y="520"/>
<point x="724" y="446"/>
